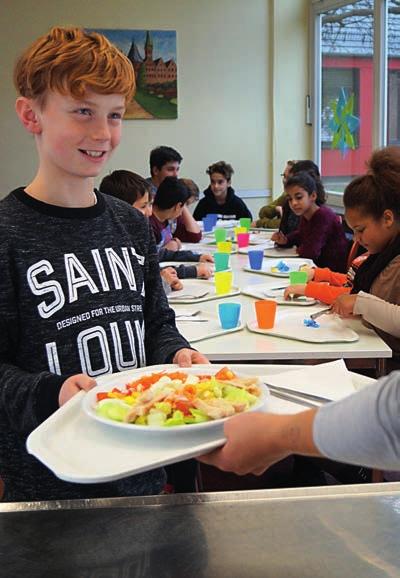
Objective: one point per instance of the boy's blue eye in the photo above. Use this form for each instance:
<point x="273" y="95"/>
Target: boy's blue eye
<point x="85" y="111"/>
<point x="116" y="116"/>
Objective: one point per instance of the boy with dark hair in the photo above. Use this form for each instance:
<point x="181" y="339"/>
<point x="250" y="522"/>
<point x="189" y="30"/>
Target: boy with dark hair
<point x="165" y="162"/>
<point x="220" y="197"/>
<point x="68" y="256"/>
<point x="135" y="190"/>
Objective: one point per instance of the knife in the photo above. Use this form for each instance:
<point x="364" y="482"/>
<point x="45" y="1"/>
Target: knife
<point x="326" y="311"/>
<point x="308" y="396"/>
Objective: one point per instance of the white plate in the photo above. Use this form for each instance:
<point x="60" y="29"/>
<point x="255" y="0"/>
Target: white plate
<point x="266" y="291"/>
<point x="290" y="325"/>
<point x="194" y="289"/>
<point x="114" y="380"/>
<point x="199" y="330"/>
<point x="207" y="249"/>
<point x="268" y="264"/>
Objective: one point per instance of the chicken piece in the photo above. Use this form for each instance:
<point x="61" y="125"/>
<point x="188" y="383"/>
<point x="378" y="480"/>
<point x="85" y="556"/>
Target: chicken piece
<point x="248" y="383"/>
<point x="215" y="408"/>
<point x="142" y="407"/>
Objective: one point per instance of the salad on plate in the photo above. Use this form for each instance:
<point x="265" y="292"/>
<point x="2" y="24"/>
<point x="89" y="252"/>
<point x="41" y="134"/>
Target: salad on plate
<point x="178" y="398"/>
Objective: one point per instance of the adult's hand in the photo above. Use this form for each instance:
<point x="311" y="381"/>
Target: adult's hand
<point x="256" y="441"/>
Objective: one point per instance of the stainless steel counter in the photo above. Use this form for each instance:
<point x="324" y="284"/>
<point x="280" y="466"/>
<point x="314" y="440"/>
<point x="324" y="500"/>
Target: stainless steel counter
<point x="340" y="531"/>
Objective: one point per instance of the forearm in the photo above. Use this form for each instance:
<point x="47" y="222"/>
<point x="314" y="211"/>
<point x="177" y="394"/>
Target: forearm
<point x="295" y="434"/>
<point x="323" y="292"/>
<point x="364" y="428"/>
<point x="379" y="313"/>
<point x="188" y="221"/>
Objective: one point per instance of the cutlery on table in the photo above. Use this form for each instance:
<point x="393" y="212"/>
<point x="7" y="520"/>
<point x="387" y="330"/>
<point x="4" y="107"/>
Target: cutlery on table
<point x="292" y="398"/>
<point x="187" y="313"/>
<point x="188" y="296"/>
<point x="297" y="393"/>
<point x="326" y="311"/>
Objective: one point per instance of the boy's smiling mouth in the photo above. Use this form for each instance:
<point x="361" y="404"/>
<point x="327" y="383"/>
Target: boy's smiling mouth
<point x="93" y="154"/>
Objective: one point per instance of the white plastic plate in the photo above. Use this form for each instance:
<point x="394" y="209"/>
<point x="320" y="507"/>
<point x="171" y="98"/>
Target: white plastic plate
<point x="197" y="290"/>
<point x="267" y="291"/>
<point x="290" y="325"/>
<point x="268" y="265"/>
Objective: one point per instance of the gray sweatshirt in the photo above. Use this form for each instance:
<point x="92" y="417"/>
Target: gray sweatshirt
<point x="80" y="292"/>
<point x="364" y="428"/>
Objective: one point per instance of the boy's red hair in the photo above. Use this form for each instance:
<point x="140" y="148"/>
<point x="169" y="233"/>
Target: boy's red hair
<point x="70" y="61"/>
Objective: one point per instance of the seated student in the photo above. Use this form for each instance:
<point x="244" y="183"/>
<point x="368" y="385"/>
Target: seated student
<point x="193" y="190"/>
<point x="372" y="210"/>
<point x="271" y="215"/>
<point x="324" y="284"/>
<point x="220" y="198"/>
<point x="165" y="162"/>
<point x="320" y="235"/>
<point x="135" y="190"/>
<point x="68" y="252"/>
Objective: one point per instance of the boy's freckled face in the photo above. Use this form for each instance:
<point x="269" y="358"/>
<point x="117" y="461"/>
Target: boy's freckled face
<point x="219" y="185"/>
<point x="77" y="137"/>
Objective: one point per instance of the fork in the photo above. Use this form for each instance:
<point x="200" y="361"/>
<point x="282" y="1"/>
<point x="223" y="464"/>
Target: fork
<point x="297" y="393"/>
<point x="188" y="296"/>
<point x="314" y="316"/>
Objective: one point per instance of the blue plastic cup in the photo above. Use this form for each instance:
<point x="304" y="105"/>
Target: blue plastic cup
<point x="208" y="224"/>
<point x="229" y="314"/>
<point x="256" y="257"/>
<point x="213" y="217"/>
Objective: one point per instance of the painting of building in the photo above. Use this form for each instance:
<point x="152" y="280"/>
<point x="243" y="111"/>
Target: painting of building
<point x="153" y="56"/>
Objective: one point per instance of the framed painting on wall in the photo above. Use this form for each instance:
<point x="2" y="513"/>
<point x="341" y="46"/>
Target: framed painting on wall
<point x="153" y="56"/>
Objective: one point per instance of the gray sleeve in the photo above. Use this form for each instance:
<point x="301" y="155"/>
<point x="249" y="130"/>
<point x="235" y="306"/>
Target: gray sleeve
<point x="364" y="428"/>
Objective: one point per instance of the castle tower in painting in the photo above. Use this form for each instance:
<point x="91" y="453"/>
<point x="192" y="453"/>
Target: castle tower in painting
<point x="148" y="48"/>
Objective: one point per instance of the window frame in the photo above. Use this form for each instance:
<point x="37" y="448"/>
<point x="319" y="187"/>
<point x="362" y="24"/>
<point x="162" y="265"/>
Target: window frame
<point x="380" y="65"/>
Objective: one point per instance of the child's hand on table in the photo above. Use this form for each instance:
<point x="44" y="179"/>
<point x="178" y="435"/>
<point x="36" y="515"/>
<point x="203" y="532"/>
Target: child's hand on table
<point x="174" y="244"/>
<point x="309" y="270"/>
<point x="344" y="305"/>
<point x="204" y="271"/>
<point x="74" y="385"/>
<point x="205" y="258"/>
<point x="279" y="238"/>
<point x="170" y="276"/>
<point x="294" y="291"/>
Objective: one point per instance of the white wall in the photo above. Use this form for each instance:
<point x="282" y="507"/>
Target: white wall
<point x="224" y="83"/>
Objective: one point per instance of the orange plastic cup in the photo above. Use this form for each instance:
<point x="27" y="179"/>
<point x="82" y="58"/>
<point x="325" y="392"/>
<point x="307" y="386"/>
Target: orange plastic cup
<point x="265" y="311"/>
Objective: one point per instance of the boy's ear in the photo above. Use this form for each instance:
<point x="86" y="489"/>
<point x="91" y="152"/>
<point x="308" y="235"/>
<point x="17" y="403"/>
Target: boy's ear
<point x="27" y="114"/>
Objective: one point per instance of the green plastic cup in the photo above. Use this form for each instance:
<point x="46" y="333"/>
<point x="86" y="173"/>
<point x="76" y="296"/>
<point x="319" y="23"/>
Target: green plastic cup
<point x="220" y="235"/>
<point x="245" y="222"/>
<point x="221" y="261"/>
<point x="298" y="277"/>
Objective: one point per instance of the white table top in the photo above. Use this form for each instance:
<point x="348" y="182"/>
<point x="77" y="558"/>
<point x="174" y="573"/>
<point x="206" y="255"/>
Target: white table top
<point x="248" y="346"/>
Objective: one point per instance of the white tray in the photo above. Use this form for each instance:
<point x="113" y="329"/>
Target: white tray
<point x="198" y="286"/>
<point x="276" y="252"/>
<point x="289" y="324"/>
<point x="266" y="291"/>
<point x="199" y="330"/>
<point x="268" y="264"/>
<point x="77" y="448"/>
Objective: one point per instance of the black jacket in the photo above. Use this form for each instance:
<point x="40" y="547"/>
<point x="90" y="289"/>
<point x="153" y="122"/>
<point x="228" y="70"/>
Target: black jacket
<point x="233" y="207"/>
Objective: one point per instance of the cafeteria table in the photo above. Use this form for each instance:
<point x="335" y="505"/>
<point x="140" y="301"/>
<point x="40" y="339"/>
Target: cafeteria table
<point x="370" y="351"/>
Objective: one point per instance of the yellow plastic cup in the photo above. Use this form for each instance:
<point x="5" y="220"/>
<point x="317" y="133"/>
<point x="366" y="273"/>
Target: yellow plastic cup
<point x="224" y="247"/>
<point x="223" y="282"/>
<point x="238" y="230"/>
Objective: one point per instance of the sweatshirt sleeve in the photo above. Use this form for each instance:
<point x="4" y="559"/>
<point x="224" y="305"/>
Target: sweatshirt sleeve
<point x="184" y="235"/>
<point x="363" y="428"/>
<point x="168" y="255"/>
<point x="324" y="292"/>
<point x="331" y="277"/>
<point x="186" y="271"/>
<point x="243" y="210"/>
<point x="379" y="313"/>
